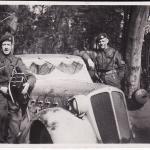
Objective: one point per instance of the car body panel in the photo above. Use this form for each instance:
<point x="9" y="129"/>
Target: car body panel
<point x="60" y="83"/>
<point x="48" y="108"/>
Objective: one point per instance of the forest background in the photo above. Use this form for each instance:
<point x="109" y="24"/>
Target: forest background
<point x="64" y="28"/>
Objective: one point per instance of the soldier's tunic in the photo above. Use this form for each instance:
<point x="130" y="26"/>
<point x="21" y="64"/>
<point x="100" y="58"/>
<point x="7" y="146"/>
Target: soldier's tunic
<point x="7" y="64"/>
<point x="107" y="64"/>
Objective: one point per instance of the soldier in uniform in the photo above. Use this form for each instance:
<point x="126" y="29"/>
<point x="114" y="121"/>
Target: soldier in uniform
<point x="7" y="63"/>
<point x="106" y="61"/>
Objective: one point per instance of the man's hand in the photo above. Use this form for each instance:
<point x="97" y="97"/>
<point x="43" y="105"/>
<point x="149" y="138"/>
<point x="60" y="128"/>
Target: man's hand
<point x="4" y="89"/>
<point x="25" y="89"/>
<point x="91" y="63"/>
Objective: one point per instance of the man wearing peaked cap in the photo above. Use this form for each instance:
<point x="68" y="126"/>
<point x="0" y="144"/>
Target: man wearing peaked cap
<point x="102" y="36"/>
<point x="106" y="61"/>
<point x="8" y="109"/>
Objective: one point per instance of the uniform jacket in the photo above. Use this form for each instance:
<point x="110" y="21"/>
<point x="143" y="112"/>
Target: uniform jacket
<point x="104" y="60"/>
<point x="7" y="63"/>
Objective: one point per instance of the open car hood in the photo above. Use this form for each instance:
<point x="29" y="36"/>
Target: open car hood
<point x="59" y="74"/>
<point x="57" y="66"/>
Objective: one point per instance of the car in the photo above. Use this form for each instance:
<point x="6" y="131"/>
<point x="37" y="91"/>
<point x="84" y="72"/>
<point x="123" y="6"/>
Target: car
<point x="66" y="107"/>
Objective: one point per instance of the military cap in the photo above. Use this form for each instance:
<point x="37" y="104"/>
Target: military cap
<point x="102" y="36"/>
<point x="6" y="37"/>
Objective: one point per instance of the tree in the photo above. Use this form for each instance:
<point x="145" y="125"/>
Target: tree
<point x="137" y="23"/>
<point x="60" y="29"/>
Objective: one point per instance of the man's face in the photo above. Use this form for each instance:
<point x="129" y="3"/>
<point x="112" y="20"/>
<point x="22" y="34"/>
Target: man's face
<point x="102" y="43"/>
<point x="7" y="47"/>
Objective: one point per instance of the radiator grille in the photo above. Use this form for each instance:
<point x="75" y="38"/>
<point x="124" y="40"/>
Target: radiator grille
<point x="121" y="114"/>
<point x="104" y="117"/>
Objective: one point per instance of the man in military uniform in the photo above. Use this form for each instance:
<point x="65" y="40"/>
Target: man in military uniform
<point x="106" y="61"/>
<point x="7" y="63"/>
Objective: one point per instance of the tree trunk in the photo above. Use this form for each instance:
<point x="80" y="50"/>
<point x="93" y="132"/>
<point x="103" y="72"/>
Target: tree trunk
<point x="126" y="10"/>
<point x="138" y="20"/>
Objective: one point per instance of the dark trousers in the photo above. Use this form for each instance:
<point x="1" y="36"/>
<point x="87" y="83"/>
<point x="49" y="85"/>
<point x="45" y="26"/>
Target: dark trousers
<point x="15" y="117"/>
<point x="112" y="79"/>
<point x="3" y="118"/>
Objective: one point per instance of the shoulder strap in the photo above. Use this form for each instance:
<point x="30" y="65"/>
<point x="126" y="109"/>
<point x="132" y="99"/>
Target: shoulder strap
<point x="17" y="61"/>
<point x="15" y="66"/>
<point x="112" y="59"/>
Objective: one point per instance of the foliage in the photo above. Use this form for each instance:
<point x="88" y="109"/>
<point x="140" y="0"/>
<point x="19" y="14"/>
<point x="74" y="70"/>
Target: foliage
<point x="60" y="29"/>
<point x="105" y="19"/>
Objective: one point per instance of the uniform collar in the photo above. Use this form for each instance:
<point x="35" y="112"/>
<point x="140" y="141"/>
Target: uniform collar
<point x="4" y="57"/>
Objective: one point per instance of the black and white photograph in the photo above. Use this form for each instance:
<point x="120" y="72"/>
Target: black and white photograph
<point x="74" y="73"/>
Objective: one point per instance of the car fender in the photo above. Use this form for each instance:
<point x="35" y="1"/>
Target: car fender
<point x="61" y="127"/>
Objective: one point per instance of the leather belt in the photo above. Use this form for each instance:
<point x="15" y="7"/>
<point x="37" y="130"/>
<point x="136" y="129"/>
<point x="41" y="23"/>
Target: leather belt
<point x="111" y="71"/>
<point x="107" y="72"/>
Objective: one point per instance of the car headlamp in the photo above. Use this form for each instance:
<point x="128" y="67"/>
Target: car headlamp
<point x="80" y="104"/>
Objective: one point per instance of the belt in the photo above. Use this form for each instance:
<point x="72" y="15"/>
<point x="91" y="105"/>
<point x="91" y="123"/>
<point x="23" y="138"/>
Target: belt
<point x="111" y="71"/>
<point x="107" y="72"/>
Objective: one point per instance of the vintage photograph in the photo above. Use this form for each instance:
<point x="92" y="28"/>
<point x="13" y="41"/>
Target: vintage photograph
<point x="74" y="73"/>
